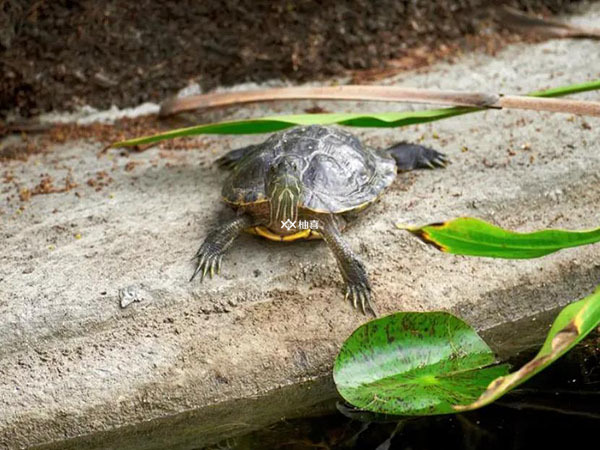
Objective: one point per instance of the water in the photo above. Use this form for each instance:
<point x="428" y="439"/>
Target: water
<point x="558" y="408"/>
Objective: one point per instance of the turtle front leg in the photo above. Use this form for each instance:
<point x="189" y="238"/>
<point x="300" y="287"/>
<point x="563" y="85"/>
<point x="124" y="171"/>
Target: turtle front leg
<point x="358" y="287"/>
<point x="414" y="156"/>
<point x="210" y="253"/>
<point x="231" y="158"/>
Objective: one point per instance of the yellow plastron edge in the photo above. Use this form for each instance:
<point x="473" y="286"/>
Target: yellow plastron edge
<point x="266" y="233"/>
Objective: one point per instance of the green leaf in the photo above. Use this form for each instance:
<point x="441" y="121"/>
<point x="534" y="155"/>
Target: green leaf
<point x="434" y="363"/>
<point x="268" y="124"/>
<point x="567" y="90"/>
<point x="394" y="119"/>
<point x="414" y="364"/>
<point x="573" y="323"/>
<point x="469" y="236"/>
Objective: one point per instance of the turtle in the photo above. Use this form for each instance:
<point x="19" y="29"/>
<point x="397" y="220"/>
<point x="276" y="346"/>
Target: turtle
<point x="309" y="182"/>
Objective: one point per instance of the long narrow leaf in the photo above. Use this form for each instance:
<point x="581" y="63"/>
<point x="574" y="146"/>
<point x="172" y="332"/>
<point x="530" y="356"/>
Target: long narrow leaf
<point x="396" y="119"/>
<point x="344" y="92"/>
<point x="275" y="123"/>
<point x="567" y="90"/>
<point x="515" y="19"/>
<point x="361" y="93"/>
<point x="469" y="236"/>
<point x="572" y="324"/>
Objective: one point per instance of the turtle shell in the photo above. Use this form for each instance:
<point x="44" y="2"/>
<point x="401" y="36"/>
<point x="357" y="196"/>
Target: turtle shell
<point x="338" y="173"/>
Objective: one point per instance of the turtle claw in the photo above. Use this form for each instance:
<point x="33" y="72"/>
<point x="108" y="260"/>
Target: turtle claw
<point x="432" y="158"/>
<point x="195" y="273"/>
<point x="209" y="262"/>
<point x="353" y="294"/>
<point x="210" y="254"/>
<point x="360" y="293"/>
<point x="440" y="161"/>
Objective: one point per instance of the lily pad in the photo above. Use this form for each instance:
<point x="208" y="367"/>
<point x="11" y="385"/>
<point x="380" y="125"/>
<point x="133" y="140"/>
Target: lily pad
<point x="414" y="364"/>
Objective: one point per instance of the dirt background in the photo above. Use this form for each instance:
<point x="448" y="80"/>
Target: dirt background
<point x="63" y="54"/>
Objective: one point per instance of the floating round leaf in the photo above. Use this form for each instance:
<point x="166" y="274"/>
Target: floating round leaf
<point x="414" y="364"/>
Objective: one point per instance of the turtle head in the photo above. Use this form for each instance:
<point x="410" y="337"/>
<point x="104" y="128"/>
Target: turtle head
<point x="283" y="187"/>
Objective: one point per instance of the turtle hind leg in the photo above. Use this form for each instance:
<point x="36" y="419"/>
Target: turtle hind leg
<point x="211" y="252"/>
<point x="231" y="158"/>
<point x="358" y="286"/>
<point x="413" y="156"/>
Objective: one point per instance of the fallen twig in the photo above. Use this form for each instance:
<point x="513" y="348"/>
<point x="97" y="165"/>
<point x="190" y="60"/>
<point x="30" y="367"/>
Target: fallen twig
<point x="514" y="19"/>
<point x="383" y="94"/>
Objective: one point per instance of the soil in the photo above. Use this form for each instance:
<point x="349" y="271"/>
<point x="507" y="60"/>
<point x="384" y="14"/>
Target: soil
<point x="63" y="54"/>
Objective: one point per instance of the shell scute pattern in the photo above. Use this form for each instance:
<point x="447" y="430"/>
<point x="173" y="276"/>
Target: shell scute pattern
<point x="338" y="172"/>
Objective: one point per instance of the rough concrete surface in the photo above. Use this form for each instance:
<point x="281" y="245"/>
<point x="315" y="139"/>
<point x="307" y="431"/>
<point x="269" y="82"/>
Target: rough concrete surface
<point x="73" y="362"/>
